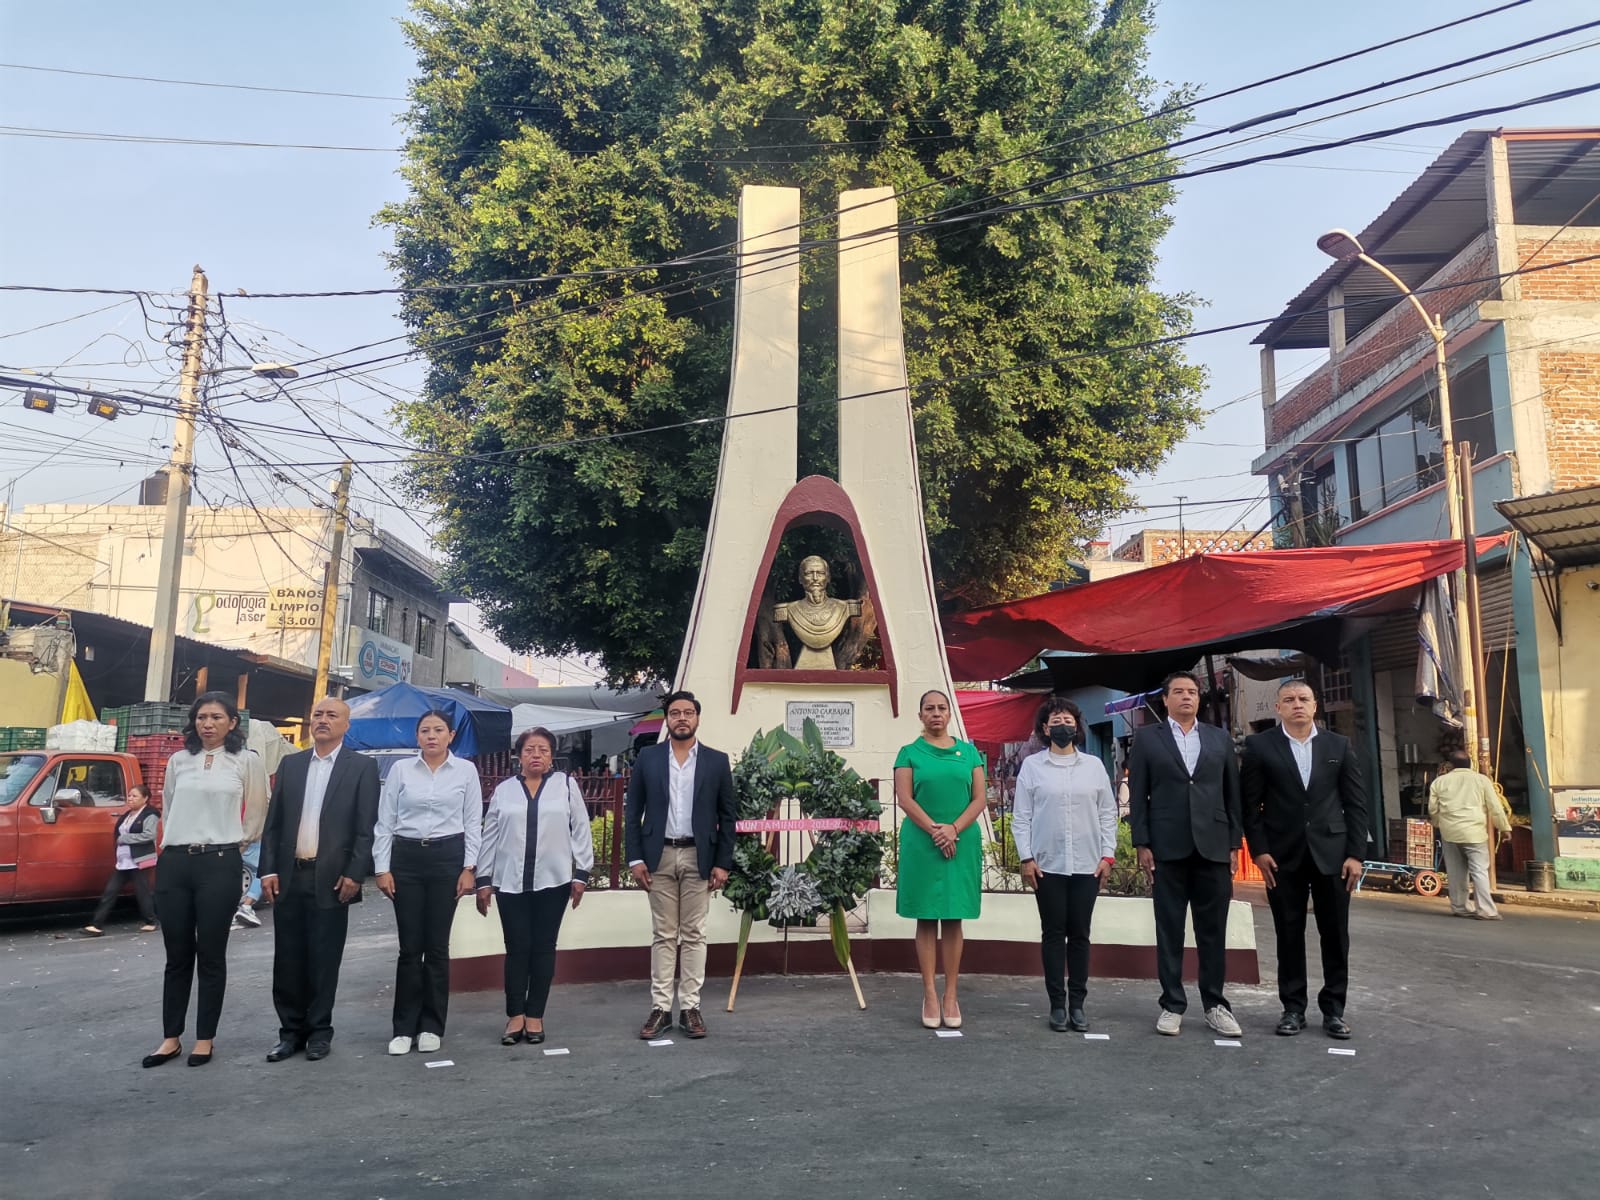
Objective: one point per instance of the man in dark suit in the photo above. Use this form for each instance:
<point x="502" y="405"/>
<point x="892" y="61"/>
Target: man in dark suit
<point x="1305" y="813"/>
<point x="315" y="851"/>
<point x="1183" y="809"/>
<point x="679" y="834"/>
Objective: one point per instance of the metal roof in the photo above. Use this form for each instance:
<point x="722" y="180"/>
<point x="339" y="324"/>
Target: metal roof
<point x="1565" y="525"/>
<point x="1554" y="174"/>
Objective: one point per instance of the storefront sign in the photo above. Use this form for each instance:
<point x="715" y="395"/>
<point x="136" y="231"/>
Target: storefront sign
<point x="378" y="661"/>
<point x="836" y="719"/>
<point x="294" y="608"/>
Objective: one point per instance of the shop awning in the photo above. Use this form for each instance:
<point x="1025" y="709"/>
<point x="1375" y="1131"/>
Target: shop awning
<point x="1564" y="525"/>
<point x="1208" y="602"/>
<point x="997" y="717"/>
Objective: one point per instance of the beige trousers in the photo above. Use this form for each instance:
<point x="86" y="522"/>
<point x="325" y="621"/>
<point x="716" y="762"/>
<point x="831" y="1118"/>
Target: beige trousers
<point x="679" y="902"/>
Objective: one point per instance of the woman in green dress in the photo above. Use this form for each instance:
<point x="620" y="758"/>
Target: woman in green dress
<point x="939" y="785"/>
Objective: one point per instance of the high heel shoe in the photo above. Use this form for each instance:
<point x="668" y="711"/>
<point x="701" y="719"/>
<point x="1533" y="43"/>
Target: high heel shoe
<point x="156" y="1059"/>
<point x="512" y="1036"/>
<point x="929" y="1022"/>
<point x="953" y="1022"/>
<point x="533" y="1037"/>
<point x="199" y="1060"/>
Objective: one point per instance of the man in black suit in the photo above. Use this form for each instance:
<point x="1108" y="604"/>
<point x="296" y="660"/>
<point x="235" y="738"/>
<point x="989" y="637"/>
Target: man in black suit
<point x="315" y="851"/>
<point x="679" y="834"/>
<point x="1183" y="809"/>
<point x="1305" y="813"/>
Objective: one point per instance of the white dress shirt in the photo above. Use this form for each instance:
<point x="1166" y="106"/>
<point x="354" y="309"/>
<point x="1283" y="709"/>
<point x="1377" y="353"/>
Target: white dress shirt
<point x="1302" y="753"/>
<point x="564" y="846"/>
<point x="318" y="771"/>
<point x="1064" y="814"/>
<point x="419" y="801"/>
<point x="213" y="798"/>
<point x="680" y="793"/>
<point x="1188" y="744"/>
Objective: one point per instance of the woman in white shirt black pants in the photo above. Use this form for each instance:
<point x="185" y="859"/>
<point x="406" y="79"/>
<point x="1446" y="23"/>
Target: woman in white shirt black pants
<point x="1064" y="822"/>
<point x="424" y="852"/>
<point x="533" y="865"/>
<point x="214" y="800"/>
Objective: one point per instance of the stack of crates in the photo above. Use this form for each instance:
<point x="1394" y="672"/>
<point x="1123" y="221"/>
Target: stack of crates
<point x="151" y="717"/>
<point x="21" y="737"/>
<point x="1419" y="844"/>
<point x="152" y="750"/>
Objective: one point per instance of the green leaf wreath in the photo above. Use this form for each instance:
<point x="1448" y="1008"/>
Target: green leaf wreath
<point x="842" y="864"/>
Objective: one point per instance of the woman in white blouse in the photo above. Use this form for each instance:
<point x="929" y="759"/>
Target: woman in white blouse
<point x="213" y="803"/>
<point x="424" y="850"/>
<point x="532" y="866"/>
<point x="1064" y="822"/>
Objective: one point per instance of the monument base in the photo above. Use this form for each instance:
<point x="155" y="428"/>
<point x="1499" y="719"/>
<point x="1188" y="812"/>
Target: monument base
<point x="608" y="940"/>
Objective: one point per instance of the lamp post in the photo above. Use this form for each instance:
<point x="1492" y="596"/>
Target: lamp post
<point x="1343" y="245"/>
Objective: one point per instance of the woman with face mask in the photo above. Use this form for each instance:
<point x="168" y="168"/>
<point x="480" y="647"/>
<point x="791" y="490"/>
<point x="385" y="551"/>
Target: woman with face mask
<point x="1064" y="822"/>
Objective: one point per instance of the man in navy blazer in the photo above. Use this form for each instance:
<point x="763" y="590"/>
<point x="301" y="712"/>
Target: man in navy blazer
<point x="316" y="850"/>
<point x="678" y="833"/>
<point x="1305" y="813"/>
<point x="1183" y="812"/>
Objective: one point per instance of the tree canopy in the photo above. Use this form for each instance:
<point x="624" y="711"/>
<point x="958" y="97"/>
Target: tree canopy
<point x="584" y="138"/>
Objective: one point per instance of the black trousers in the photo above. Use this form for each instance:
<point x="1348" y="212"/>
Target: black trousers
<point x="531" y="922"/>
<point x="1202" y="888"/>
<point x="1288" y="903"/>
<point x="1066" y="908"/>
<point x="307" y="948"/>
<point x="425" y="880"/>
<point x="114" y="885"/>
<point x="197" y="895"/>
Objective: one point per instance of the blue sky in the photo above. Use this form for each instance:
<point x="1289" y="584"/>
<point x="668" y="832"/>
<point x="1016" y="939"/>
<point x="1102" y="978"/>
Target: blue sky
<point x="96" y="213"/>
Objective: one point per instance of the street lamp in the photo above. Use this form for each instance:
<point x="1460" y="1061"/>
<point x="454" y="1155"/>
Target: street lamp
<point x="264" y="370"/>
<point x="1344" y="246"/>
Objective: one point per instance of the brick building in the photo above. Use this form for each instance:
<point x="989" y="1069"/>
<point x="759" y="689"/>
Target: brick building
<point x="1500" y="237"/>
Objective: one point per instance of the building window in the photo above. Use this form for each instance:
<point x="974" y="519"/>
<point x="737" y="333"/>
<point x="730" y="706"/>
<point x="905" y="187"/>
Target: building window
<point x="1337" y="686"/>
<point x="1397" y="459"/>
<point x="378" y="606"/>
<point x="425" y="630"/>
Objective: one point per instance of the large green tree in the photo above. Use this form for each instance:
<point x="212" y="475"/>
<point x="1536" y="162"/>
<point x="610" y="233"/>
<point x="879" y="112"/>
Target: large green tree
<point x="578" y="138"/>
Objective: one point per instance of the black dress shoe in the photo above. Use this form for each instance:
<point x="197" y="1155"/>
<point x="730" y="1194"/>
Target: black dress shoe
<point x="512" y="1038"/>
<point x="1290" y="1023"/>
<point x="282" y="1051"/>
<point x="1058" y="1020"/>
<point x="317" y="1051"/>
<point x="199" y="1060"/>
<point x="156" y="1059"/>
<point x="1335" y="1027"/>
<point x="1077" y="1022"/>
<point x="533" y="1036"/>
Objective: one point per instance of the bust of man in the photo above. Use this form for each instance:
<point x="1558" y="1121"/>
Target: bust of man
<point x="817" y="618"/>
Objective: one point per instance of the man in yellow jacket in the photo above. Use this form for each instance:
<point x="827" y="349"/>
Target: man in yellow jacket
<point x="1461" y="803"/>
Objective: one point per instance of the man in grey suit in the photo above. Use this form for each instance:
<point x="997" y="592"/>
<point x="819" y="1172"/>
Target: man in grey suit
<point x="1184" y="812"/>
<point x="1305" y="811"/>
<point x="315" y="851"/>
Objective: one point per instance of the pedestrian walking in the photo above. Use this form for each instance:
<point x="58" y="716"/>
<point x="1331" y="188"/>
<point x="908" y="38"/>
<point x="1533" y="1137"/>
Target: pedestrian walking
<point x="135" y="841"/>
<point x="1462" y="804"/>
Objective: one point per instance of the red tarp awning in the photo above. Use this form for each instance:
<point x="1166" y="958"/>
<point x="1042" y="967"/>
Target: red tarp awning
<point x="1195" y="601"/>
<point x="994" y="718"/>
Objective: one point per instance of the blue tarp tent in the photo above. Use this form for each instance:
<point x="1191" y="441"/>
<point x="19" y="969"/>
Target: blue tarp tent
<point x="387" y="719"/>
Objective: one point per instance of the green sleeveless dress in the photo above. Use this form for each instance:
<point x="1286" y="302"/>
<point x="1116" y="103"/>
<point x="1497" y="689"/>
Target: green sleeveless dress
<point x="932" y="887"/>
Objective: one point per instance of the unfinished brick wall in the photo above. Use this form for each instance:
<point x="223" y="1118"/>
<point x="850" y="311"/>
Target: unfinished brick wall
<point x="1571" y="385"/>
<point x="1373" y="350"/>
<point x="1580" y="281"/>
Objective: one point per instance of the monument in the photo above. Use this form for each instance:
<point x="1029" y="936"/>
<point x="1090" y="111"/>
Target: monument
<point x="855" y="663"/>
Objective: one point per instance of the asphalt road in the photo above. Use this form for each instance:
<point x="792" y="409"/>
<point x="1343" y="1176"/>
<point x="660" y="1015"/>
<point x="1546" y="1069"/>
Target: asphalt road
<point x="1473" y="1075"/>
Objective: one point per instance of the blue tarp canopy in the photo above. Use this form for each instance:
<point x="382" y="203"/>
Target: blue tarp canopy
<point x="387" y="719"/>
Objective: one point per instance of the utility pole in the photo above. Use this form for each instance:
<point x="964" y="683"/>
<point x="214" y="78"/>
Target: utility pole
<point x="330" y="583"/>
<point x="1477" y="714"/>
<point x="179" y="470"/>
<point x="1183" y="548"/>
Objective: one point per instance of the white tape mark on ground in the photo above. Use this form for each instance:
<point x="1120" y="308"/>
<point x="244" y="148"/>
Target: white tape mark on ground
<point x="947" y="1033"/>
<point x="1336" y="1050"/>
<point x="1229" y="1042"/>
<point x="660" y="1042"/>
<point x="443" y="1062"/>
<point x="563" y="1050"/>
<point x="1097" y="1037"/>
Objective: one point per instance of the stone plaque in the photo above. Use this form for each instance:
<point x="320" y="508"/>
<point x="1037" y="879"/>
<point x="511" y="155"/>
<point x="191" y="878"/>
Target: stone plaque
<point x="835" y="718"/>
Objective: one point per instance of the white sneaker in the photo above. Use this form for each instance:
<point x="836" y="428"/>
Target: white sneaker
<point x="1169" y="1023"/>
<point x="427" y="1043"/>
<point x="400" y="1045"/>
<point x="247" y="916"/>
<point x="1222" y="1022"/>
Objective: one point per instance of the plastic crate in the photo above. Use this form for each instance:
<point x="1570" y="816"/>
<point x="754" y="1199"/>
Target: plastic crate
<point x="1419" y="843"/>
<point x="21" y="737"/>
<point x="152" y="751"/>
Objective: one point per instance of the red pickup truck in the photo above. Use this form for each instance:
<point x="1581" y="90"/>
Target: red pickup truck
<point x="58" y="810"/>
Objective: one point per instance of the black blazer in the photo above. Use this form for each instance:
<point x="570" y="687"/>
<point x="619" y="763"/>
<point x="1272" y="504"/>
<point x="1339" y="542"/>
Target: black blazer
<point x="344" y="834"/>
<point x="1174" y="815"/>
<point x="715" y="810"/>
<point x="1285" y="818"/>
